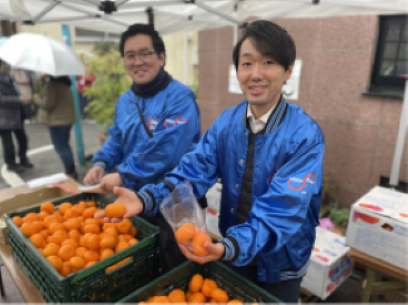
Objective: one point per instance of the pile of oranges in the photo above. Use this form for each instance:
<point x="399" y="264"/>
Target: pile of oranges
<point x="200" y="291"/>
<point x="196" y="238"/>
<point x="71" y="239"/>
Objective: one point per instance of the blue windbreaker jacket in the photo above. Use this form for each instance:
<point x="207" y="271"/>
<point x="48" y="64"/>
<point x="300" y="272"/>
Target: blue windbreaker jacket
<point x="286" y="188"/>
<point x="172" y="117"/>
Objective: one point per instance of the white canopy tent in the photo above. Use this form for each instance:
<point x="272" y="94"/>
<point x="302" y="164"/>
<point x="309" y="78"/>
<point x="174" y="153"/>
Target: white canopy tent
<point x="171" y="16"/>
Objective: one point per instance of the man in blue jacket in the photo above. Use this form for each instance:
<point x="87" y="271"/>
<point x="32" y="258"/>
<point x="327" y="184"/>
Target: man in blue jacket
<point x="269" y="155"/>
<point x="156" y="120"/>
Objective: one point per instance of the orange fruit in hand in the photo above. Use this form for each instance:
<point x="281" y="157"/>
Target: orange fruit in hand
<point x="108" y="242"/>
<point x="89" y="212"/>
<point x="185" y="233"/>
<point x="47" y="207"/>
<point x="91" y="256"/>
<point x="220" y="295"/>
<point x="37" y="240"/>
<point x="56" y="262"/>
<point x="208" y="287"/>
<point x="80" y="251"/>
<point x="66" y="252"/>
<point x="56" y="226"/>
<point x="106" y="253"/>
<point x="197" y="297"/>
<point x="177" y="296"/>
<point x="59" y="236"/>
<point x="115" y="210"/>
<point x="196" y="283"/>
<point x="17" y="221"/>
<point x="29" y="229"/>
<point x="77" y="263"/>
<point x="92" y="242"/>
<point x="66" y="269"/>
<point x="72" y="223"/>
<point x="124" y="226"/>
<point x="64" y="207"/>
<point x="197" y="243"/>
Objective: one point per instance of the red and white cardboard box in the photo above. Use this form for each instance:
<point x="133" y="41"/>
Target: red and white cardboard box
<point x="378" y="226"/>
<point x="329" y="264"/>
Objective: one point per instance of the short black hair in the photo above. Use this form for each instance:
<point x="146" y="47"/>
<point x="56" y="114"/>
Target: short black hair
<point x="145" y="29"/>
<point x="269" y="39"/>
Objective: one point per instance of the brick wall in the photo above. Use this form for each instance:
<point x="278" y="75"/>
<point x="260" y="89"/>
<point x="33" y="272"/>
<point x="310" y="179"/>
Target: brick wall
<point x="337" y="55"/>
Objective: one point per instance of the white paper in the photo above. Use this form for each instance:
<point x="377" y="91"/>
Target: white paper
<point x="43" y="181"/>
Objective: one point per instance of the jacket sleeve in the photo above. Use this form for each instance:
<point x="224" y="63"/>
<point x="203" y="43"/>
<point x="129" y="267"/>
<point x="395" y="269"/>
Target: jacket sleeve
<point x="49" y="98"/>
<point x="199" y="167"/>
<point x="277" y="215"/>
<point x="111" y="152"/>
<point x="175" y="133"/>
<point x="12" y="101"/>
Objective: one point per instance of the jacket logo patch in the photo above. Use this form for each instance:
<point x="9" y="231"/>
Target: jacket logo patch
<point x="171" y="123"/>
<point x="151" y="123"/>
<point x="310" y="178"/>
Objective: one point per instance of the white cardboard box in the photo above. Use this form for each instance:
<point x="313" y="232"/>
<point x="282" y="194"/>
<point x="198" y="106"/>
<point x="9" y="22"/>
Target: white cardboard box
<point x="378" y="226"/>
<point x="329" y="264"/>
<point x="214" y="197"/>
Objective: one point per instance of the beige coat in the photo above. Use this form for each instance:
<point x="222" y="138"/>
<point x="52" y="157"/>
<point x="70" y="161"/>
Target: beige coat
<point x="56" y="107"/>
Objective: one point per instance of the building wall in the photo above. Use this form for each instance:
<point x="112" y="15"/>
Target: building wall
<point x="337" y="54"/>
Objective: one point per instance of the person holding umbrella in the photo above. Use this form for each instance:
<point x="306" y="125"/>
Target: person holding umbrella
<point x="269" y="155"/>
<point x="12" y="121"/>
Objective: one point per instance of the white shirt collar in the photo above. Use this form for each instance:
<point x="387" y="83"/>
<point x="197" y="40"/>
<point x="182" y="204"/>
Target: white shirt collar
<point x="263" y="119"/>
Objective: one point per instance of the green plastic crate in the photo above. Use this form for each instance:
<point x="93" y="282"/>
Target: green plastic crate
<point x="91" y="284"/>
<point x="234" y="284"/>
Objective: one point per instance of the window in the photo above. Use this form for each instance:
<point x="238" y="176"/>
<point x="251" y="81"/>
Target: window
<point x="391" y="61"/>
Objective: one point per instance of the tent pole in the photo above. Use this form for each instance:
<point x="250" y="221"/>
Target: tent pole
<point x="78" y="130"/>
<point x="399" y="147"/>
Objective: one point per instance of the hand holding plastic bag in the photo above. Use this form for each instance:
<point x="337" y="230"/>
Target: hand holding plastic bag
<point x="185" y="216"/>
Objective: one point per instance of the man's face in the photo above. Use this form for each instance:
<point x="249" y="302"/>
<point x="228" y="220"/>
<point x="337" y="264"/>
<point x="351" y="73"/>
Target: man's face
<point x="260" y="77"/>
<point x="141" y="61"/>
<point x="4" y="68"/>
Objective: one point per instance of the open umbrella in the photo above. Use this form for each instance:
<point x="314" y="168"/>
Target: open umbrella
<point x="40" y="53"/>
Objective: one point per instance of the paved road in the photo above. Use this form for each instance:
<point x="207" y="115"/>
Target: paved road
<point x="48" y="161"/>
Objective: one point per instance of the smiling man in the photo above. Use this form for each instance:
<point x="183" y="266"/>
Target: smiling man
<point x="156" y="120"/>
<point x="156" y="123"/>
<point x="269" y="155"/>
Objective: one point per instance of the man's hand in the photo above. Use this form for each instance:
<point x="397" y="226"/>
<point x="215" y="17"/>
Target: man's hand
<point x="94" y="175"/>
<point x="110" y="181"/>
<point x="215" y="251"/>
<point x="129" y="199"/>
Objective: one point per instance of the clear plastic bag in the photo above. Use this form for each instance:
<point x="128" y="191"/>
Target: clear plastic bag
<point x="186" y="218"/>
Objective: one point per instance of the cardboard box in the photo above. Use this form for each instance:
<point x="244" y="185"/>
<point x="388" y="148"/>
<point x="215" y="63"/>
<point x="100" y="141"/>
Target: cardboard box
<point x="22" y="201"/>
<point x="329" y="264"/>
<point x="378" y="226"/>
